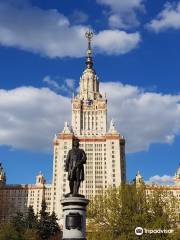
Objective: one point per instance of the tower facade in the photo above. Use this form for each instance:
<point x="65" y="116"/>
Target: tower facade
<point x="89" y="107"/>
<point x="138" y="180"/>
<point x="105" y="148"/>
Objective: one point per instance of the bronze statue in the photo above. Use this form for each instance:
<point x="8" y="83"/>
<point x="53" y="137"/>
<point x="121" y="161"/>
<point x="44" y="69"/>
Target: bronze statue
<point x="75" y="160"/>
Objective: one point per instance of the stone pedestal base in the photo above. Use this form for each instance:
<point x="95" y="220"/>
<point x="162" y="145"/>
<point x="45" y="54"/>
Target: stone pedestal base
<point x="74" y="210"/>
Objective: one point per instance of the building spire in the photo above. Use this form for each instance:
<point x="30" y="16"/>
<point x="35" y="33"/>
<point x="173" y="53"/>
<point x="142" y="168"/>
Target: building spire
<point x="2" y="175"/>
<point x="89" y="61"/>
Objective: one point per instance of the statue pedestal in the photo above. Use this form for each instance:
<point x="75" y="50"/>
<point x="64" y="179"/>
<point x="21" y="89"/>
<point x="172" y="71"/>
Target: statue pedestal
<point x="74" y="210"/>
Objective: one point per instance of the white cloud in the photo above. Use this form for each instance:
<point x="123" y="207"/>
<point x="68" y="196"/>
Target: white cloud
<point x="121" y="5"/>
<point x="66" y="86"/>
<point x="116" y="42"/>
<point x="51" y="82"/>
<point x="29" y="117"/>
<point x="161" y="180"/>
<point x="79" y="17"/>
<point x="70" y="83"/>
<point x="49" y="33"/>
<point x="168" y="18"/>
<point x="123" y="13"/>
<point x="143" y="117"/>
<point x="115" y="21"/>
<point x="170" y="138"/>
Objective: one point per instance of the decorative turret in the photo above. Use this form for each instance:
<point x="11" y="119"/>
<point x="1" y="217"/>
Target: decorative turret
<point x="177" y="176"/>
<point x="2" y="176"/>
<point x="67" y="129"/>
<point x="112" y="128"/>
<point x="40" y="180"/>
<point x="138" y="179"/>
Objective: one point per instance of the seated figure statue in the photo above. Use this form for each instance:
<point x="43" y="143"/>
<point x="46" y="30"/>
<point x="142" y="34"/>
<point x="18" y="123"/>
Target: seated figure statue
<point x="75" y="160"/>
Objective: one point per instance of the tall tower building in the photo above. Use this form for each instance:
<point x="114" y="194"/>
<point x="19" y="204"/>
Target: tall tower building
<point x="105" y="148"/>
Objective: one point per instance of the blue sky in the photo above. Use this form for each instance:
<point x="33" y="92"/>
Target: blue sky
<point x="136" y="56"/>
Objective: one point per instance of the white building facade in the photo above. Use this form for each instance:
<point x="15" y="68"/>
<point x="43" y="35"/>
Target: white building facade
<point x="18" y="197"/>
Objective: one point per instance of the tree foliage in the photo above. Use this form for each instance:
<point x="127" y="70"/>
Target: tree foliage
<point x="53" y="225"/>
<point x="7" y="231"/>
<point x="18" y="224"/>
<point x="30" y="220"/>
<point x="117" y="212"/>
<point x="31" y="227"/>
<point x="47" y="225"/>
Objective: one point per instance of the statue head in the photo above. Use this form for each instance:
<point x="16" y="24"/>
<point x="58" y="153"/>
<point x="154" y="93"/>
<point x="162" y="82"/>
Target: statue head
<point x="76" y="143"/>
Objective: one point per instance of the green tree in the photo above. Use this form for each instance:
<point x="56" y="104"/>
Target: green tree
<point x="8" y="232"/>
<point x="18" y="223"/>
<point x="30" y="219"/>
<point x="54" y="227"/>
<point x="117" y="212"/>
<point x="43" y="224"/>
<point x="43" y="213"/>
<point x="30" y="234"/>
<point x="47" y="224"/>
<point x="29" y="227"/>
